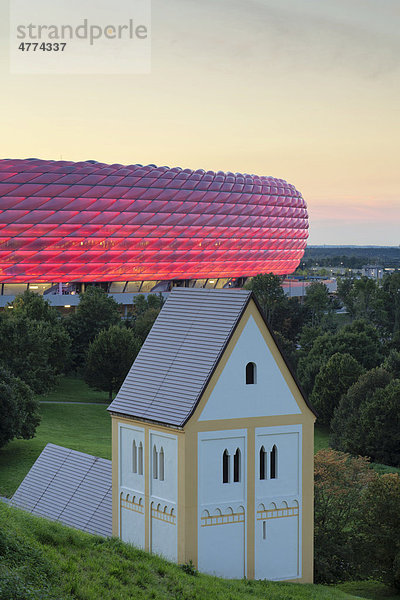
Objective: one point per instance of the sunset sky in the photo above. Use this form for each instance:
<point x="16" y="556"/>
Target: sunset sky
<point x="305" y="90"/>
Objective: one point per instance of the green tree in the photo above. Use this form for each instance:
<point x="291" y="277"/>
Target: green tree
<point x="333" y="380"/>
<point x="307" y="338"/>
<point x="392" y="363"/>
<point x="344" y="292"/>
<point x="317" y="301"/>
<point x="109" y="358"/>
<point x="287" y="347"/>
<point x="269" y="293"/>
<point x="285" y="315"/>
<point x="289" y="318"/>
<point x="96" y="311"/>
<point x="19" y="410"/>
<point x="339" y="481"/>
<point x="360" y="339"/>
<point x="35" y="307"/>
<point x="347" y="433"/>
<point x="380" y="419"/>
<point x="380" y="528"/>
<point x="364" y="294"/>
<point x="388" y="307"/>
<point x="36" y="351"/>
<point x="144" y="312"/>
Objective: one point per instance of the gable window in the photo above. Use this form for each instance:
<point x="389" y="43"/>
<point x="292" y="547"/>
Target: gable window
<point x="236" y="466"/>
<point x="140" y="459"/>
<point x="134" y="457"/>
<point x="225" y="466"/>
<point x="161" y="465"/>
<point x="274" y="462"/>
<point x="250" y="373"/>
<point x="155" y="463"/>
<point x="263" y="463"/>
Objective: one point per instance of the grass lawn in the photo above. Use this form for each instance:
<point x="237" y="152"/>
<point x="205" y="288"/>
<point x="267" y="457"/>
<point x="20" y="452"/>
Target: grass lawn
<point x="48" y="560"/>
<point x="321" y="438"/>
<point x="80" y="427"/>
<point x="372" y="590"/>
<point x="73" y="389"/>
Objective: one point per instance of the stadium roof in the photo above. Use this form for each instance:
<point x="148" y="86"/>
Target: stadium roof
<point x="62" y="221"/>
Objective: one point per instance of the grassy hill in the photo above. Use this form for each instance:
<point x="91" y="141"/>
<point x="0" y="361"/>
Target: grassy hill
<point x="43" y="560"/>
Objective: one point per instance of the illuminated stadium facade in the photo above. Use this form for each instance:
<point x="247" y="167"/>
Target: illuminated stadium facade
<point x="129" y="227"/>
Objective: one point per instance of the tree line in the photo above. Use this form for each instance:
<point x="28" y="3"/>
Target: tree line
<point x="39" y="345"/>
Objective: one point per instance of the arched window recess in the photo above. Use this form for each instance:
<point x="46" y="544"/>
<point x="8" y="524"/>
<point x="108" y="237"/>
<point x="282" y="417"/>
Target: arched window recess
<point x="225" y="466"/>
<point x="236" y="466"/>
<point x="134" y="457"/>
<point x="161" y="465"/>
<point x="274" y="462"/>
<point x="251" y="373"/>
<point x="263" y="463"/>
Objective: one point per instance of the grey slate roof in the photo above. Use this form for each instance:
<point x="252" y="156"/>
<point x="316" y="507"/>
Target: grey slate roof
<point x="71" y="487"/>
<point x="179" y="355"/>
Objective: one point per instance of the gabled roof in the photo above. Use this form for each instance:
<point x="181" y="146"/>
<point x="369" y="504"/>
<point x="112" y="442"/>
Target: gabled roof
<point x="70" y="487"/>
<point x="179" y="355"/>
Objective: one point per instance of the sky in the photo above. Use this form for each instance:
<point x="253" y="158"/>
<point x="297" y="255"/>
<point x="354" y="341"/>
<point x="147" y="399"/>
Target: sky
<point x="304" y="90"/>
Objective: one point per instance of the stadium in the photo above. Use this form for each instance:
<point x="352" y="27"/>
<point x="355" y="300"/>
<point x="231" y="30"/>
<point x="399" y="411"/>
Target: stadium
<point x="142" y="228"/>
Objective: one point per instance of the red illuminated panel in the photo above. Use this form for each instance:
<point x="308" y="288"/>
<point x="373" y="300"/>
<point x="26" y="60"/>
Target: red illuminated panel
<point x="88" y="221"/>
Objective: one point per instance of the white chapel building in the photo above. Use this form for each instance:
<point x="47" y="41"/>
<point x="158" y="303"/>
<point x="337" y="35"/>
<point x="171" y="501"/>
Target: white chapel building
<point x="213" y="443"/>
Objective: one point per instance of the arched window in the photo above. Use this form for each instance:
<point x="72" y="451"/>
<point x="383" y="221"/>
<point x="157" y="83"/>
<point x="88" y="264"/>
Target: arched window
<point x="250" y="373"/>
<point x="236" y="466"/>
<point x="225" y="467"/>
<point x="161" y="465"/>
<point x="155" y="463"/>
<point x="134" y="457"/>
<point x="274" y="463"/>
<point x="263" y="463"/>
<point x="140" y="459"/>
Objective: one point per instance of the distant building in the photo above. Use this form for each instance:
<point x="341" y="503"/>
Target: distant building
<point x="213" y="443"/>
<point x="373" y="271"/>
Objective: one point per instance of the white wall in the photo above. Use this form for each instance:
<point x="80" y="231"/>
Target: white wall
<point x="278" y="505"/>
<point x="131" y="486"/>
<point x="277" y="555"/>
<point x="164" y="496"/>
<point x="232" y="397"/>
<point x="132" y="518"/>
<point x="221" y="506"/>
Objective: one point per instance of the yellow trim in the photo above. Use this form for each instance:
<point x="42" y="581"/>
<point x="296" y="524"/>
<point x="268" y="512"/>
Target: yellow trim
<point x="181" y="504"/>
<point x="277" y="513"/>
<point x="131" y="505"/>
<point x="162" y="516"/>
<point x="227" y="519"/>
<point x="115" y="478"/>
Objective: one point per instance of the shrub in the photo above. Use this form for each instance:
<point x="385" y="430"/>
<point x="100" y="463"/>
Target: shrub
<point x="339" y="482"/>
<point x="380" y="528"/>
